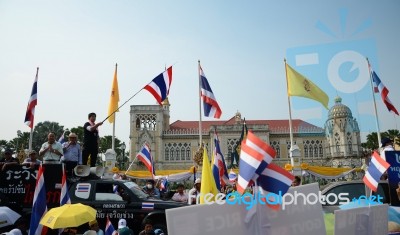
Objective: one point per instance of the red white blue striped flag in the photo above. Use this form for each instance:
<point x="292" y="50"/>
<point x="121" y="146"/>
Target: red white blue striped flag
<point x="30" y="111"/>
<point x="110" y="230"/>
<point x="39" y="206"/>
<point x="255" y="155"/>
<point x="145" y="157"/>
<point x="384" y="93"/>
<point x="376" y="168"/>
<point x="210" y="104"/>
<point x="219" y="170"/>
<point x="275" y="179"/>
<point x="64" y="197"/>
<point x="160" y="85"/>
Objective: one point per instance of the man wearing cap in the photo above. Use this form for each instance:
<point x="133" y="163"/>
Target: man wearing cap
<point x="8" y="159"/>
<point x="72" y="153"/>
<point x="93" y="225"/>
<point x="123" y="229"/>
<point x="194" y="192"/>
<point x="31" y="160"/>
<point x="386" y="145"/>
<point x="51" y="151"/>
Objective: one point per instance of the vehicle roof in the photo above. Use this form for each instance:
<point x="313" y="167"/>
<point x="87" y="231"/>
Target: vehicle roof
<point x="334" y="184"/>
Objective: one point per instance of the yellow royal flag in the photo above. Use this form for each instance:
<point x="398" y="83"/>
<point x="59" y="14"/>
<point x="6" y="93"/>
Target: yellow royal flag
<point x="207" y="181"/>
<point x="298" y="85"/>
<point x="114" y="99"/>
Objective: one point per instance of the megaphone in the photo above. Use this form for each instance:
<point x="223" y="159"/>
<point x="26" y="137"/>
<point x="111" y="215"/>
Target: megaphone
<point x="107" y="173"/>
<point x="97" y="170"/>
<point x="82" y="170"/>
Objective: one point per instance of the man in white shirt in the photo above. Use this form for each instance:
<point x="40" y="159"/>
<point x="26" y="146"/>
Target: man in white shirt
<point x="51" y="151"/>
<point x="195" y="191"/>
<point x="386" y="145"/>
<point x="180" y="195"/>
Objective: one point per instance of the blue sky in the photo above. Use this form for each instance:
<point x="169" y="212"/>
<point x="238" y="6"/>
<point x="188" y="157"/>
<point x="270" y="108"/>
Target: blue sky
<point x="241" y="45"/>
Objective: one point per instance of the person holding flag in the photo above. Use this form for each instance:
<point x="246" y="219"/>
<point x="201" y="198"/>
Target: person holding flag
<point x="91" y="140"/>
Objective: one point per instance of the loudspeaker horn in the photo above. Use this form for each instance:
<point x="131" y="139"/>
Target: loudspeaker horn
<point x="82" y="170"/>
<point x="97" y="170"/>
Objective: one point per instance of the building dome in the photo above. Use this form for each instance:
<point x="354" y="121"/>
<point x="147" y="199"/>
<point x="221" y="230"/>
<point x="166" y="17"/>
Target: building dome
<point x="339" y="110"/>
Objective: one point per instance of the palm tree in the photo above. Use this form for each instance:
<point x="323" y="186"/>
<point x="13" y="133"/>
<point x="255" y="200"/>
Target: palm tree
<point x="394" y="135"/>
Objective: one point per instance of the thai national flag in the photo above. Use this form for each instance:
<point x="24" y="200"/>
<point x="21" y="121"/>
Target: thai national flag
<point x="255" y="155"/>
<point x="144" y="156"/>
<point x="210" y="104"/>
<point x="110" y="230"/>
<point x="30" y="111"/>
<point x="164" y="184"/>
<point x="160" y="85"/>
<point x="384" y="93"/>
<point x="232" y="176"/>
<point x="39" y="207"/>
<point x="62" y="140"/>
<point x="275" y="179"/>
<point x="64" y="197"/>
<point x="220" y="172"/>
<point x="376" y="168"/>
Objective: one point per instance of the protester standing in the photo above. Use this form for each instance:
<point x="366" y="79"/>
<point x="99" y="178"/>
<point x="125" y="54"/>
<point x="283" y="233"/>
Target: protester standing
<point x="51" y="151"/>
<point x="72" y="153"/>
<point x="91" y="140"/>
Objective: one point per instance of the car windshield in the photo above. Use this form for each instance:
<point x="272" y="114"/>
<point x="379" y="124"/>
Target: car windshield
<point x="136" y="190"/>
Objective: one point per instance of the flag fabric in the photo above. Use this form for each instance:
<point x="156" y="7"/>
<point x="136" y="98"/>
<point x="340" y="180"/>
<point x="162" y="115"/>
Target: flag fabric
<point x="275" y="179"/>
<point x="30" y="111"/>
<point x="236" y="150"/>
<point x="232" y="176"/>
<point x="376" y="168"/>
<point x="114" y="98"/>
<point x="255" y="156"/>
<point x="207" y="179"/>
<point x="64" y="197"/>
<point x="298" y="85"/>
<point x="109" y="230"/>
<point x="39" y="207"/>
<point x="164" y="184"/>
<point x="210" y="104"/>
<point x="219" y="170"/>
<point x="160" y="85"/>
<point x="384" y="93"/>
<point x="115" y="189"/>
<point x="62" y="140"/>
<point x="145" y="157"/>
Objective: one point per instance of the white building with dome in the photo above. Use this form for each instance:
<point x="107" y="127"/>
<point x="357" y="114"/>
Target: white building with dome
<point x="342" y="136"/>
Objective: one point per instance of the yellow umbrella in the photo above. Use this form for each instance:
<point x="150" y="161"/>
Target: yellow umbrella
<point x="68" y="215"/>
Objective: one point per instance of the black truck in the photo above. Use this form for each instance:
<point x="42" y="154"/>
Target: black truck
<point x="113" y="198"/>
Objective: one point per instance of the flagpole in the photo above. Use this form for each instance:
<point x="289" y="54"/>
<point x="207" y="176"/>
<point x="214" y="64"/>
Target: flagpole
<point x="113" y="134"/>
<point x="290" y="108"/>
<point x="373" y="97"/>
<point x="200" y="126"/>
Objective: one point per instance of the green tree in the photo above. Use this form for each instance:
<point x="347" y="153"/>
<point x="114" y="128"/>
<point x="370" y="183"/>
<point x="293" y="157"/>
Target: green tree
<point x="372" y="141"/>
<point x="106" y="143"/>
<point x="394" y="135"/>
